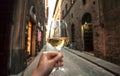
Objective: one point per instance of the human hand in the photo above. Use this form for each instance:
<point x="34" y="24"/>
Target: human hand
<point x="47" y="62"/>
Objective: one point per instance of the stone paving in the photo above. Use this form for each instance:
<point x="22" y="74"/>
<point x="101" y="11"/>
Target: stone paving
<point x="73" y="66"/>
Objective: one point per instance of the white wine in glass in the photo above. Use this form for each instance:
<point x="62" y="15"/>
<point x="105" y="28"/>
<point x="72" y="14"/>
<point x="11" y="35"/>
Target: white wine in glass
<point x="59" y="39"/>
<point x="58" y="42"/>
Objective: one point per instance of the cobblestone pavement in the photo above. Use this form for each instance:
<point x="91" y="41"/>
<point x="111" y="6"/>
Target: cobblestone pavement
<point x="77" y="66"/>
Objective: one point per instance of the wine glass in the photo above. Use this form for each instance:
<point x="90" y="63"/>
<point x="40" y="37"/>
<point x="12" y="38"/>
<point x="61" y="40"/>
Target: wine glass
<point x="58" y="40"/>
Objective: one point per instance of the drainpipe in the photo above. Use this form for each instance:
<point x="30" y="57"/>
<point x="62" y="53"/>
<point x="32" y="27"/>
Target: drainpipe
<point x="99" y="13"/>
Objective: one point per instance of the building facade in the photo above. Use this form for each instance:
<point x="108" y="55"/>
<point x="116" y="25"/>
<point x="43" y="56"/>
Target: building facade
<point x="93" y="26"/>
<point x="28" y="22"/>
<point x="57" y="12"/>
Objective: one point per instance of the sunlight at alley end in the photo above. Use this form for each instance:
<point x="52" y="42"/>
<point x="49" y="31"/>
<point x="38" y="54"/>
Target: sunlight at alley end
<point x="93" y="47"/>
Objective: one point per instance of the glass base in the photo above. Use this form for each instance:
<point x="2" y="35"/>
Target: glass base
<point x="59" y="72"/>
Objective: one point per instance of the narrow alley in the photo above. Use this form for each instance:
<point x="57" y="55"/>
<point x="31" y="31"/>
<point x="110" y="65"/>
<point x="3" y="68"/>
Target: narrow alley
<point x="89" y="31"/>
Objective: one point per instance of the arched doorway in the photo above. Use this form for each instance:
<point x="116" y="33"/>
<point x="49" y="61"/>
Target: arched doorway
<point x="72" y="45"/>
<point x="87" y="32"/>
<point x="72" y="33"/>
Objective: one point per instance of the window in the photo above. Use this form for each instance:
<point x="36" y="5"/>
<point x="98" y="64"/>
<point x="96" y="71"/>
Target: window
<point x="72" y="15"/>
<point x="94" y="2"/>
<point x="66" y="7"/>
<point x="62" y="13"/>
<point x="84" y="2"/>
<point x="71" y="1"/>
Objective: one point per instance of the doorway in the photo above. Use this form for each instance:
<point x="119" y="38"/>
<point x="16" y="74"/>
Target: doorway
<point x="88" y="37"/>
<point x="87" y="33"/>
<point x="72" y="44"/>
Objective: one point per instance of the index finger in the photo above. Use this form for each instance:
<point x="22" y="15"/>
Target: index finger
<point x="51" y="54"/>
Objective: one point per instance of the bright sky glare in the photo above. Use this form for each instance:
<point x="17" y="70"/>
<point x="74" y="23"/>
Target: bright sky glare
<point x="51" y="5"/>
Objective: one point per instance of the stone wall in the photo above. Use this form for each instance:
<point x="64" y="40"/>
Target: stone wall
<point x="74" y="15"/>
<point x="105" y="20"/>
<point x="112" y="28"/>
<point x="21" y="16"/>
<point x="40" y="14"/>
